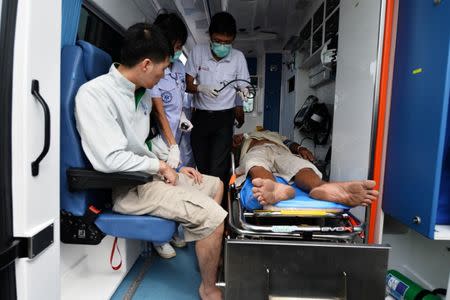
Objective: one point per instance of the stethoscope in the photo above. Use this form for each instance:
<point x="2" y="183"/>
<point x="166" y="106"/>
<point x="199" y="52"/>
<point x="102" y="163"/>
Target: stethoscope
<point x="251" y="91"/>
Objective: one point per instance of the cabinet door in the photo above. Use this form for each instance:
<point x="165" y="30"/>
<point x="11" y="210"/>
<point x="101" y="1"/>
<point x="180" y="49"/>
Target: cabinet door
<point x="419" y="111"/>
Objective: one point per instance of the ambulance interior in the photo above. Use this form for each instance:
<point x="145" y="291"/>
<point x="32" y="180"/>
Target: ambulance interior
<point x="295" y="49"/>
<point x="300" y="53"/>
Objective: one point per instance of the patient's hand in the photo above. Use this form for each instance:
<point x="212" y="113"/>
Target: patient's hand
<point x="305" y="154"/>
<point x="169" y="174"/>
<point x="193" y="173"/>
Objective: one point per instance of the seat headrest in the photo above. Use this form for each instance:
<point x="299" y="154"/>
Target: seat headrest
<point x="96" y="61"/>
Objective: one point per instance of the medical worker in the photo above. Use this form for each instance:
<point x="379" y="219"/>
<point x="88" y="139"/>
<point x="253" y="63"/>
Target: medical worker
<point x="212" y="66"/>
<point x="167" y="100"/>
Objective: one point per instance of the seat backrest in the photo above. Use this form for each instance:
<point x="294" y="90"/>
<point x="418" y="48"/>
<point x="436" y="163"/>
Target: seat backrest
<point x="79" y="64"/>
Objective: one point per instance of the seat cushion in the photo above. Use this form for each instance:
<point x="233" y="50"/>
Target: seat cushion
<point x="145" y="227"/>
<point x="301" y="200"/>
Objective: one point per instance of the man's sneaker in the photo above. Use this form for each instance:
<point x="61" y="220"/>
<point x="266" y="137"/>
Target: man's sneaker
<point x="165" y="250"/>
<point x="178" y="242"/>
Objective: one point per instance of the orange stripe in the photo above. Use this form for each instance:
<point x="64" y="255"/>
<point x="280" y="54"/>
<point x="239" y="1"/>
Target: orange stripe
<point x="381" y="112"/>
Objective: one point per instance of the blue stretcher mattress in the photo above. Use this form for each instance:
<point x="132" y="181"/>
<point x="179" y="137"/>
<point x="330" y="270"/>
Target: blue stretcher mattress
<point x="300" y="201"/>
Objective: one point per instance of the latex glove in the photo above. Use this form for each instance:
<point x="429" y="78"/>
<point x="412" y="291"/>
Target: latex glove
<point x="173" y="159"/>
<point x="185" y="124"/>
<point x="244" y="93"/>
<point x="327" y="57"/>
<point x="208" y="90"/>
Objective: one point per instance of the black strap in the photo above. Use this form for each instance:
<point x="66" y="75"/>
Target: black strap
<point x="422" y="294"/>
<point x="91" y="214"/>
<point x="440" y="291"/>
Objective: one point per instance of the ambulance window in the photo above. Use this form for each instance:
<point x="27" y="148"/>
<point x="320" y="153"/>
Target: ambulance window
<point x="318" y="18"/>
<point x="98" y="29"/>
<point x="331" y="6"/>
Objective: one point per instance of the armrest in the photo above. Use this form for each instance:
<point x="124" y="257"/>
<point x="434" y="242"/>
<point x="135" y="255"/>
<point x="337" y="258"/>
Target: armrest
<point x="82" y="179"/>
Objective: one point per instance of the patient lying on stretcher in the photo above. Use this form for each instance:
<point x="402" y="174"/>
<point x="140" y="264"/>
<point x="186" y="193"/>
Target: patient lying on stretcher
<point x="265" y="154"/>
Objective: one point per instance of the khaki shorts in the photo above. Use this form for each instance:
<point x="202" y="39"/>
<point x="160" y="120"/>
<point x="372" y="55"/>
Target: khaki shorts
<point x="275" y="159"/>
<point x="190" y="204"/>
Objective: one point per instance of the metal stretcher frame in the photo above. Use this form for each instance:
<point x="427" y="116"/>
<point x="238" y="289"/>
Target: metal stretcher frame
<point x="239" y="224"/>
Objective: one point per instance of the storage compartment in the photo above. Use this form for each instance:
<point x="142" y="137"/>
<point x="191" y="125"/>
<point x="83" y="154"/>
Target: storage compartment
<point x="319" y="75"/>
<point x="417" y="178"/>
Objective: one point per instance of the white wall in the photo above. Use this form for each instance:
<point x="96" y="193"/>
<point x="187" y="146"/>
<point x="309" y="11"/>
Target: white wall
<point x="86" y="272"/>
<point x="287" y="100"/>
<point x="355" y="87"/>
<point x="126" y="13"/>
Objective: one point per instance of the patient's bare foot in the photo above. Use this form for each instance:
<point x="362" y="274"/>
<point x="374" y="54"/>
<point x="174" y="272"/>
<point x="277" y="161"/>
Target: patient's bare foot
<point x="268" y="191"/>
<point x="351" y="193"/>
<point x="213" y="293"/>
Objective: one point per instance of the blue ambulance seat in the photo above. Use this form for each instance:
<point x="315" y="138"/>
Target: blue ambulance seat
<point x="300" y="201"/>
<point x="79" y="64"/>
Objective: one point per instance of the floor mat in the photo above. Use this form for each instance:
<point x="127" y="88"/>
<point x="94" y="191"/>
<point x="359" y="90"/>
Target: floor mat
<point x="177" y="278"/>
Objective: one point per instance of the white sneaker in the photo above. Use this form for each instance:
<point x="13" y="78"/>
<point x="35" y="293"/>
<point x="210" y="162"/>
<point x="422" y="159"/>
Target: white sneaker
<point x="165" y="250"/>
<point x="178" y="242"/>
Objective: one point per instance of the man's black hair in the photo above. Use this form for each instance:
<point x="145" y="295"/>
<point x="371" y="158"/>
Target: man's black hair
<point x="173" y="27"/>
<point x="223" y="23"/>
<point x="143" y="40"/>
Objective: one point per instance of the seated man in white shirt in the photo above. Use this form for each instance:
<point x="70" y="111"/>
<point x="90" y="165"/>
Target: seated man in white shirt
<point x="266" y="153"/>
<point x="112" y="114"/>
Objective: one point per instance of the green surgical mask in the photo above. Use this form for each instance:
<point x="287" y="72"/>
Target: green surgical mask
<point x="221" y="50"/>
<point x="175" y="56"/>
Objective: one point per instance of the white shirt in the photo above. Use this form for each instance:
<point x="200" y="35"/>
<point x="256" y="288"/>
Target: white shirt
<point x="203" y="66"/>
<point x="113" y="130"/>
<point x="171" y="89"/>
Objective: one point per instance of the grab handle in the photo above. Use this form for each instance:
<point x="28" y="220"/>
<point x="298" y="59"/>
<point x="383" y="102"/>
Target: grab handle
<point x="35" y="93"/>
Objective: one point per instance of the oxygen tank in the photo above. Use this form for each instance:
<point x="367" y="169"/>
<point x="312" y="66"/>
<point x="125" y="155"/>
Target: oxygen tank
<point x="402" y="288"/>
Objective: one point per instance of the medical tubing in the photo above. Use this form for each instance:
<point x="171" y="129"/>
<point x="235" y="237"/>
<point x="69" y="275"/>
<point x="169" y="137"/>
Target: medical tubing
<point x="253" y="93"/>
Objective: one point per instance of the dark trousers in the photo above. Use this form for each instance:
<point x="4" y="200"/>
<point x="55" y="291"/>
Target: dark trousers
<point x="211" y="141"/>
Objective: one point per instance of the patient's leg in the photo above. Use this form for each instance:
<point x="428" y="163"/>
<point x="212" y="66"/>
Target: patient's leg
<point x="266" y="189"/>
<point x="351" y="193"/>
<point x="219" y="193"/>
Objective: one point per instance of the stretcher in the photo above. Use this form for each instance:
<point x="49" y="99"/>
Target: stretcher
<point x="299" y="218"/>
<point x="300" y="248"/>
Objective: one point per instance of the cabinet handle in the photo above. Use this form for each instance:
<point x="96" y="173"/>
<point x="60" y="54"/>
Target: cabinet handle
<point x="37" y="95"/>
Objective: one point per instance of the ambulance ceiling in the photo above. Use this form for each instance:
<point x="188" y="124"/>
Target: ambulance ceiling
<point x="263" y="25"/>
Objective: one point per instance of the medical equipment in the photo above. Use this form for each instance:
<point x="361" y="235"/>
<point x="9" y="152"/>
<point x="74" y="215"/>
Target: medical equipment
<point x="252" y="92"/>
<point x="402" y="288"/>
<point x="314" y="120"/>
